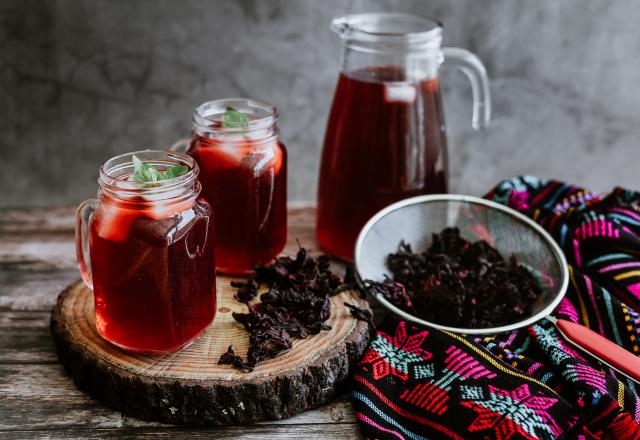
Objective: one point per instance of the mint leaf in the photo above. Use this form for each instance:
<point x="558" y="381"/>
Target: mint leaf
<point x="173" y="172"/>
<point x="232" y="118"/>
<point x="143" y="172"/>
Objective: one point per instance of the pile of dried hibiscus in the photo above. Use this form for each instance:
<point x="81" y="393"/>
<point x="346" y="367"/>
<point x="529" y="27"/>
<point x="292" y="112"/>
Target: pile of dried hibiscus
<point x="459" y="283"/>
<point x="296" y="304"/>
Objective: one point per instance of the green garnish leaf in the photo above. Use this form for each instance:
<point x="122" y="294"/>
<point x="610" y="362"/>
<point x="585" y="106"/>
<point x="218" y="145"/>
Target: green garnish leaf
<point x="143" y="172"/>
<point x="173" y="172"/>
<point x="232" y="118"/>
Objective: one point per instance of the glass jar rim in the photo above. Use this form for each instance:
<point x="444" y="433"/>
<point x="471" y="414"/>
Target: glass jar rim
<point x="263" y="115"/>
<point x="114" y="176"/>
<point x="386" y="31"/>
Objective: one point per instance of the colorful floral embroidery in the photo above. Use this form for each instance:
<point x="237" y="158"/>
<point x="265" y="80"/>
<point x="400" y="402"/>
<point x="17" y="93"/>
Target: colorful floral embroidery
<point x="509" y="412"/>
<point x="396" y="355"/>
<point x="416" y="383"/>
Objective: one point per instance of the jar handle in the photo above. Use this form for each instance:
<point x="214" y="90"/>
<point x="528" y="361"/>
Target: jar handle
<point x="83" y="217"/>
<point x="473" y="68"/>
<point x="181" y="145"/>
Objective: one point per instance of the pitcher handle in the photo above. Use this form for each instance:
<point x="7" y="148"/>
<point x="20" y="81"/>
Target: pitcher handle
<point x="83" y="216"/>
<point x="473" y="68"/>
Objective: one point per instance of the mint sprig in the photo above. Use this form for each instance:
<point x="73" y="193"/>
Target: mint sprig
<point x="232" y="118"/>
<point x="172" y="172"/>
<point x="143" y="172"/>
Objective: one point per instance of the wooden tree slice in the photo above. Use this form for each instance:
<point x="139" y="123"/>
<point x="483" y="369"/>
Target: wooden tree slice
<point x="189" y="387"/>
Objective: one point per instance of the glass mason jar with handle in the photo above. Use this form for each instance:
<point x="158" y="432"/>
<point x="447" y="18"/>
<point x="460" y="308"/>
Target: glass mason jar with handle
<point x="243" y="170"/>
<point x="146" y="250"/>
<point x="385" y="137"/>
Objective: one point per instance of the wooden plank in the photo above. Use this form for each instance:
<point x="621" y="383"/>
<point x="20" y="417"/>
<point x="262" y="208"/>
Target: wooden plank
<point x="25" y="338"/>
<point x="39" y="221"/>
<point x="307" y="432"/>
<point x="37" y="257"/>
<point x="47" y="234"/>
<point x="49" y="245"/>
<point x="24" y="288"/>
<point x="340" y="410"/>
<point x="43" y="396"/>
<point x="37" y="254"/>
<point x="45" y="252"/>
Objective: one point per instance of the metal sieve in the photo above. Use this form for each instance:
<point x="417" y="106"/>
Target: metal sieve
<point x="511" y="233"/>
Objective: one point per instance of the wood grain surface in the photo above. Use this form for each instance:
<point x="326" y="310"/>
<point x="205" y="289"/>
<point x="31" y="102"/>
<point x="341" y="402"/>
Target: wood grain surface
<point x="39" y="400"/>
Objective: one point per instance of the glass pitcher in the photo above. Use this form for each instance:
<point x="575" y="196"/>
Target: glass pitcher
<point x="385" y="138"/>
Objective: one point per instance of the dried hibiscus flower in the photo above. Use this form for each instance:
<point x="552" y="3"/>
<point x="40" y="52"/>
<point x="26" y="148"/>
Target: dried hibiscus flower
<point x="230" y="357"/>
<point x="361" y="314"/>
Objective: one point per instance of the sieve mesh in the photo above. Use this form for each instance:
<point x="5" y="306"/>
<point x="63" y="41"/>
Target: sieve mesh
<point x="414" y="220"/>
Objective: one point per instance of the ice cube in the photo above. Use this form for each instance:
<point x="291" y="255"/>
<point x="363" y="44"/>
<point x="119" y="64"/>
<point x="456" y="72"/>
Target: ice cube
<point x="233" y="137"/>
<point x="268" y="158"/>
<point x="114" y="222"/>
<point x="157" y="233"/>
<point x="163" y="209"/>
<point x="222" y="155"/>
<point x="263" y="159"/>
<point x="277" y="160"/>
<point x="257" y="134"/>
<point x="399" y="91"/>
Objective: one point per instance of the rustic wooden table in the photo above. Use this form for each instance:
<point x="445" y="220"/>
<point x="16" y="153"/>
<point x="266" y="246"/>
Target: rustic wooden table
<point x="39" y="400"/>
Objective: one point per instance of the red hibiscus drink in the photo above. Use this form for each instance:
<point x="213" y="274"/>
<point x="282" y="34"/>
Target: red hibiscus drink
<point x="243" y="171"/>
<point x="385" y="141"/>
<point x="151" y="260"/>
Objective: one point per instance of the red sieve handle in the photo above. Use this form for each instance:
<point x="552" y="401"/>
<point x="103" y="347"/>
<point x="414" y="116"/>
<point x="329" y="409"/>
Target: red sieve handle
<point x="600" y="347"/>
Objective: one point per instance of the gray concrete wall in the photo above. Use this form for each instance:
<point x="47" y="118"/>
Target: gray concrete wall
<point x="81" y="81"/>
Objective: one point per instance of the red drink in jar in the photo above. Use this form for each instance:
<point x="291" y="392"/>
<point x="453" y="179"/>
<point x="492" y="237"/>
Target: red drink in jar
<point x="151" y="256"/>
<point x="243" y="171"/>
<point x="385" y="142"/>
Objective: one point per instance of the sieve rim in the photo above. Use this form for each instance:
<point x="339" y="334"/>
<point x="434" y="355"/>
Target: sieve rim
<point x="425" y="199"/>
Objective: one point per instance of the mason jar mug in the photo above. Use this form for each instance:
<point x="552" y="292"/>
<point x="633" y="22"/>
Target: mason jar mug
<point x="145" y="247"/>
<point x="243" y="171"/>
